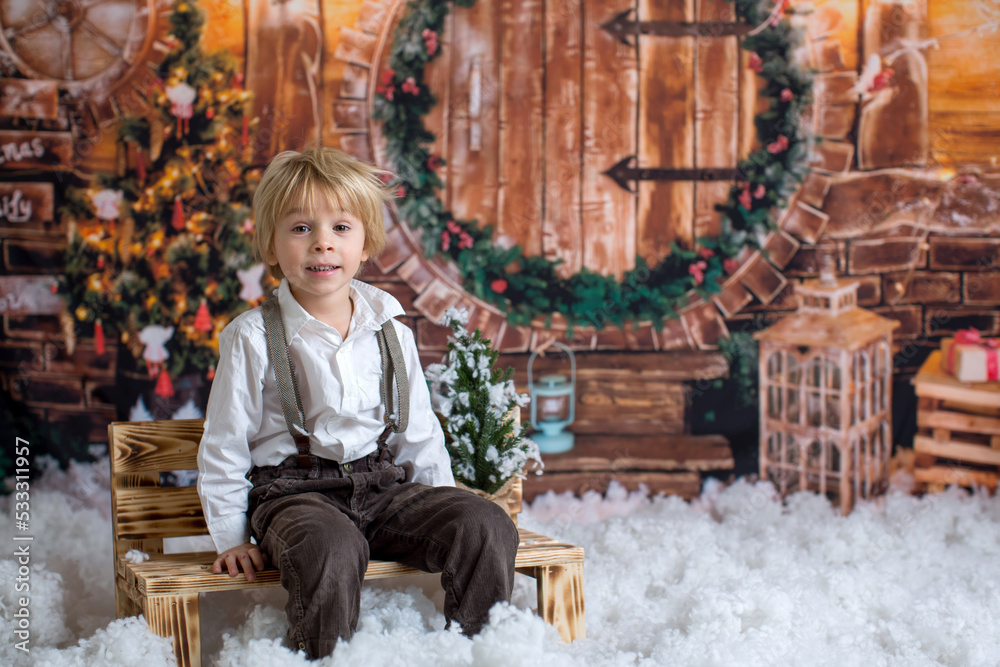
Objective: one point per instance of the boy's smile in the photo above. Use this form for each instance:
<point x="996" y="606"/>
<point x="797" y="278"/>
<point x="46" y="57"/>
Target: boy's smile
<point x="319" y="252"/>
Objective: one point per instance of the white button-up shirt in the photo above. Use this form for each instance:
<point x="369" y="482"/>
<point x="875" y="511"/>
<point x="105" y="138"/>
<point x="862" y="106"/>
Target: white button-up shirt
<point x="340" y="386"/>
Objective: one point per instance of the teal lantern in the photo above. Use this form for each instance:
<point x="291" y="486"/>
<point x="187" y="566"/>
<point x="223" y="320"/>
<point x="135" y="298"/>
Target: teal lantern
<point x="553" y="406"/>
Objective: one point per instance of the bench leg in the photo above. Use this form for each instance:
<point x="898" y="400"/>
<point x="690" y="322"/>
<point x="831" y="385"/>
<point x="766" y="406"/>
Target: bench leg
<point x="124" y="606"/>
<point x="177" y="616"/>
<point x="560" y="599"/>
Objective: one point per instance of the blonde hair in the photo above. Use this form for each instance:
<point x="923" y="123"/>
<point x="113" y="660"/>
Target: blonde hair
<point x="293" y="180"/>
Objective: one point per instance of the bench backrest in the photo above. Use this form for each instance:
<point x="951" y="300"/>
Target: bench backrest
<point x="144" y="512"/>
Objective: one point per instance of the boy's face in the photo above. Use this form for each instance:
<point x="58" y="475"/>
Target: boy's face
<point x="319" y="252"/>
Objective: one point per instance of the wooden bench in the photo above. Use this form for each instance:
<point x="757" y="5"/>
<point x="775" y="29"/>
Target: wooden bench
<point x="165" y="588"/>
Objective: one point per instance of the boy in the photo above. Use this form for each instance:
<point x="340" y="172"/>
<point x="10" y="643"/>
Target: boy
<point x="310" y="465"/>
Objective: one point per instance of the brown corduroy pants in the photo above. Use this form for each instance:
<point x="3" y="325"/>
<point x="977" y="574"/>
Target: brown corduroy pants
<point x="319" y="526"/>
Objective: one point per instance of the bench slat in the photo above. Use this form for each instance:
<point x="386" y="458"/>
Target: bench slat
<point x="158" y="446"/>
<point x="177" y="574"/>
<point x="158" y="512"/>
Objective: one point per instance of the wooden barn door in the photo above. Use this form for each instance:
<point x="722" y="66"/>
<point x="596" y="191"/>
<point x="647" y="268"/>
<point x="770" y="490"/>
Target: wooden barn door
<point x="540" y="100"/>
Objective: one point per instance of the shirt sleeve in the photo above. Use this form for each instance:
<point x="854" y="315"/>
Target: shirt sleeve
<point x="233" y="416"/>
<point x="420" y="449"/>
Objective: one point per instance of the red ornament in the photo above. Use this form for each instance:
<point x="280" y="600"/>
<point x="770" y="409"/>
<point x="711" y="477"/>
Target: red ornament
<point x="400" y="192"/>
<point x="698" y="271"/>
<point x="705" y="253"/>
<point x="445" y="241"/>
<point x="99" y="337"/>
<point x="882" y="79"/>
<point x="210" y="375"/>
<point x="779" y="145"/>
<point x="464" y="241"/>
<point x="430" y="41"/>
<point x="760" y="191"/>
<point x="410" y="86"/>
<point x="385" y="87"/>
<point x="730" y="265"/>
<point x="434" y="162"/>
<point x="100" y="262"/>
<point x="786" y="95"/>
<point x="744" y="197"/>
<point x="164" y="387"/>
<point x="756" y="63"/>
<point x="499" y="285"/>
<point x="55" y="288"/>
<point x="140" y="164"/>
<point x="209" y="113"/>
<point x="203" y="319"/>
<point x="178" y="220"/>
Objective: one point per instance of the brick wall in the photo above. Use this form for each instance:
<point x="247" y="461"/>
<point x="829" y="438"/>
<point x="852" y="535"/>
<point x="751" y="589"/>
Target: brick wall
<point x="69" y="390"/>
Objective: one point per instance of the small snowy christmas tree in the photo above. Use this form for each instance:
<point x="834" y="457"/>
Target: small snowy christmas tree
<point x="476" y="403"/>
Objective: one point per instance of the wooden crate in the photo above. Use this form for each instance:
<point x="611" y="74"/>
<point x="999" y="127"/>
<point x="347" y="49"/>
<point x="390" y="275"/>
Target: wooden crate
<point x="958" y="440"/>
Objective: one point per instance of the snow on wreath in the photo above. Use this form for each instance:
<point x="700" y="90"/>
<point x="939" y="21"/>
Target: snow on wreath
<point x="476" y="405"/>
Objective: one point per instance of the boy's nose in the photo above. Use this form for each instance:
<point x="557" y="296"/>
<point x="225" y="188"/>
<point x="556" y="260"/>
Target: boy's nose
<point x="323" y="244"/>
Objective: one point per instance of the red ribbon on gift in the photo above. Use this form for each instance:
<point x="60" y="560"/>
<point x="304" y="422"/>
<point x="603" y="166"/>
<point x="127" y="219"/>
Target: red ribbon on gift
<point x="972" y="336"/>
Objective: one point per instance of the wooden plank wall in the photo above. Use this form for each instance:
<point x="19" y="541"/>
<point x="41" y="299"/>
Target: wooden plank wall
<point x="610" y="91"/>
<point x="473" y="141"/>
<point x="569" y="100"/>
<point x="563" y="133"/>
<point x="520" y="205"/>
<point x="716" y="85"/>
<point x="964" y="92"/>
<point x="666" y="130"/>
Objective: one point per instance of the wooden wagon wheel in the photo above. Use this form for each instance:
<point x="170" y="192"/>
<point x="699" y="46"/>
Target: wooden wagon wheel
<point x="90" y="48"/>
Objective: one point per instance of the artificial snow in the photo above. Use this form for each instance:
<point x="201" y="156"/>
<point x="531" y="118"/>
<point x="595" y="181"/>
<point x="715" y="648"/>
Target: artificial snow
<point x="735" y="577"/>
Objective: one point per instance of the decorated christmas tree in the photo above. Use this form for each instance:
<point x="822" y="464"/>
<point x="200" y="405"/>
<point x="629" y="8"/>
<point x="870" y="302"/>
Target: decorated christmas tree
<point x="160" y="252"/>
<point x="475" y="402"/>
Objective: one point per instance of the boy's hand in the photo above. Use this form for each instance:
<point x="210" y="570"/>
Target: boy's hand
<point x="246" y="556"/>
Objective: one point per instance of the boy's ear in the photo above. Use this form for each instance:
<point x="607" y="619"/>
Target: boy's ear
<point x="269" y="257"/>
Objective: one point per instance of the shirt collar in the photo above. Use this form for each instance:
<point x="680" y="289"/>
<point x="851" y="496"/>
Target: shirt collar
<point x="372" y="308"/>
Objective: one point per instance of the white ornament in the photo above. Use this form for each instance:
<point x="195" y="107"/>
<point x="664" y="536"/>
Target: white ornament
<point x="250" y="280"/>
<point x="181" y="99"/>
<point x="154" y="336"/>
<point x="108" y="203"/>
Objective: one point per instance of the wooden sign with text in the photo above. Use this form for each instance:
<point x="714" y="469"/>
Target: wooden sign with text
<point x="36" y="150"/>
<point x="27" y="208"/>
<point x="25" y="98"/>
<point x="29" y="295"/>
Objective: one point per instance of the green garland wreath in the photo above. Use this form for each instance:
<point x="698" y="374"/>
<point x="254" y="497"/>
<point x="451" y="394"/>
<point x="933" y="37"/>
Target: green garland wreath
<point x="526" y="288"/>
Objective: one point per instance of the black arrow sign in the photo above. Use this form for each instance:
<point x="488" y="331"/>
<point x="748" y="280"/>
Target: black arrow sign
<point x="622" y="27"/>
<point x="623" y="173"/>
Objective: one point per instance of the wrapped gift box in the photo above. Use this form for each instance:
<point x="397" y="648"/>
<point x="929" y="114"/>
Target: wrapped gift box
<point x="970" y="357"/>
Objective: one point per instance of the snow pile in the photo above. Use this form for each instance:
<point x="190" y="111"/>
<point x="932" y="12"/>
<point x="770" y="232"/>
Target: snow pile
<point x="733" y="578"/>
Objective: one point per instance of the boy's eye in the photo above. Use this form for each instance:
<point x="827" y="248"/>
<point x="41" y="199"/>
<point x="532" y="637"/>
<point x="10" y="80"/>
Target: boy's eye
<point x="342" y="227"/>
<point x="300" y="228"/>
